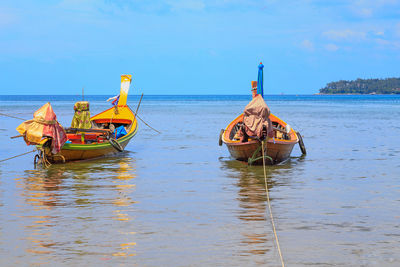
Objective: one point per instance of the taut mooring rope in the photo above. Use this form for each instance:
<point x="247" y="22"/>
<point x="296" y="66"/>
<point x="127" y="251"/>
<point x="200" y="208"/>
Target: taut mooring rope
<point x="147" y="124"/>
<point x="2" y="114"/>
<point x="18" y="155"/>
<point x="269" y="205"/>
<point x="140" y="101"/>
<point x="137" y="116"/>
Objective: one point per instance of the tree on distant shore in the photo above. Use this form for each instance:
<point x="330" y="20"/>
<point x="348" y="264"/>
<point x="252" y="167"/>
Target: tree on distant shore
<point x="363" y="86"/>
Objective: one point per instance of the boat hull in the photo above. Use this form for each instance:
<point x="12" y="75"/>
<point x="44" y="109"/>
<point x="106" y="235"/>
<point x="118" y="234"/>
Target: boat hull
<point x="277" y="152"/>
<point x="73" y="152"/>
<point x="277" y="149"/>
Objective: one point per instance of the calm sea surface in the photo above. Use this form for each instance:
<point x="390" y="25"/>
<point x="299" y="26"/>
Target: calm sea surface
<point x="178" y="199"/>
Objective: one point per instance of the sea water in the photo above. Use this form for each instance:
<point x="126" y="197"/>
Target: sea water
<point x="178" y="199"/>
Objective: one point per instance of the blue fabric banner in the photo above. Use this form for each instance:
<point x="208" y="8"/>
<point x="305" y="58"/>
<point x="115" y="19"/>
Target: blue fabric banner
<point x="260" y="80"/>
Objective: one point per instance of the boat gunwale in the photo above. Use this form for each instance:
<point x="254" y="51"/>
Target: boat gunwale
<point x="228" y="129"/>
<point x="92" y="146"/>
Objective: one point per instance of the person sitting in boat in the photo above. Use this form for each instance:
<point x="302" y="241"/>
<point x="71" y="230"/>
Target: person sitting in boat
<point x="109" y="126"/>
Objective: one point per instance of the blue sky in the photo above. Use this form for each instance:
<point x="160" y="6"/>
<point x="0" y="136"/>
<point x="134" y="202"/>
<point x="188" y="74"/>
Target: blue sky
<point x="194" y="46"/>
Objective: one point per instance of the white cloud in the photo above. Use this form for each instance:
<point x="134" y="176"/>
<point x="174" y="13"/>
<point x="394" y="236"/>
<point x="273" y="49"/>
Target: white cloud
<point x="368" y="8"/>
<point x="331" y="47"/>
<point x="388" y="44"/>
<point x="344" y="35"/>
<point x="7" y="18"/>
<point x="192" y="5"/>
<point x="364" y="12"/>
<point x="397" y="30"/>
<point x="82" y="5"/>
<point x="307" y="45"/>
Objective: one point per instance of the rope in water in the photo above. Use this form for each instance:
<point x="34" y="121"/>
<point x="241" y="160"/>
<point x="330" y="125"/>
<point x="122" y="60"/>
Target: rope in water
<point x="18" y="155"/>
<point x="147" y="124"/>
<point x="269" y="205"/>
<point x="137" y="116"/>
<point x="6" y="115"/>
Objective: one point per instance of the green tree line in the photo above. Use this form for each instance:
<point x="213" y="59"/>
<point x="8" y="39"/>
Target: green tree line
<point x="363" y="86"/>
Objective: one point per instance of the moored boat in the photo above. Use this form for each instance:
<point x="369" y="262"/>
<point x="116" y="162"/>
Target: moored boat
<point x="245" y="135"/>
<point x="88" y="137"/>
<point x="100" y="139"/>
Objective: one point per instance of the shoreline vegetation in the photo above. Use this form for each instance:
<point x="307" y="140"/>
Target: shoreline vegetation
<point x="388" y="86"/>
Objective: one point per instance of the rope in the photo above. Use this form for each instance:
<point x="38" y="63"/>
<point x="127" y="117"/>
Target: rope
<point x="43" y="121"/>
<point x="2" y="114"/>
<point x="147" y="124"/>
<point x="140" y="101"/>
<point x="18" y="155"/>
<point x="136" y="115"/>
<point x="41" y="158"/>
<point x="269" y="207"/>
<point x="44" y="161"/>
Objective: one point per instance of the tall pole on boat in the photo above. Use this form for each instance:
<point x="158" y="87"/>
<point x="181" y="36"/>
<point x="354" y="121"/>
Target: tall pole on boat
<point x="260" y="80"/>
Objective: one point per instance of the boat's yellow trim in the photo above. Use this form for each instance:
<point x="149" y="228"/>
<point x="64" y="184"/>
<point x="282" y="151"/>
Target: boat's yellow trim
<point x="228" y="127"/>
<point x="122" y="112"/>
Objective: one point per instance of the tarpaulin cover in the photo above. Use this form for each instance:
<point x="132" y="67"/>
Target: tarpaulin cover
<point x="119" y="132"/>
<point x="44" y="124"/>
<point x="81" y="117"/>
<point x="255" y="116"/>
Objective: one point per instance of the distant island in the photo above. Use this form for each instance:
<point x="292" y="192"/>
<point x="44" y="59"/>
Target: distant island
<point x="363" y="86"/>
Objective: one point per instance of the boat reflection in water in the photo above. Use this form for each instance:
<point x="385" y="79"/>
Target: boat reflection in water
<point x="42" y="193"/>
<point x="71" y="201"/>
<point x="258" y="238"/>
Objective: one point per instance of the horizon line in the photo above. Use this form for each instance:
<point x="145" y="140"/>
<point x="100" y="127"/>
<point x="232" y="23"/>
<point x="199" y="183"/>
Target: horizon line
<point x="149" y="94"/>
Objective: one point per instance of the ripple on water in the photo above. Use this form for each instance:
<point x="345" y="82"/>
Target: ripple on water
<point x="178" y="199"/>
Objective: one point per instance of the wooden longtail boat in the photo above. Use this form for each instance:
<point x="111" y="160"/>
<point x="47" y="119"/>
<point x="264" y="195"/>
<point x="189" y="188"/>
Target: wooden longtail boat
<point x="278" y="148"/>
<point x="99" y="141"/>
